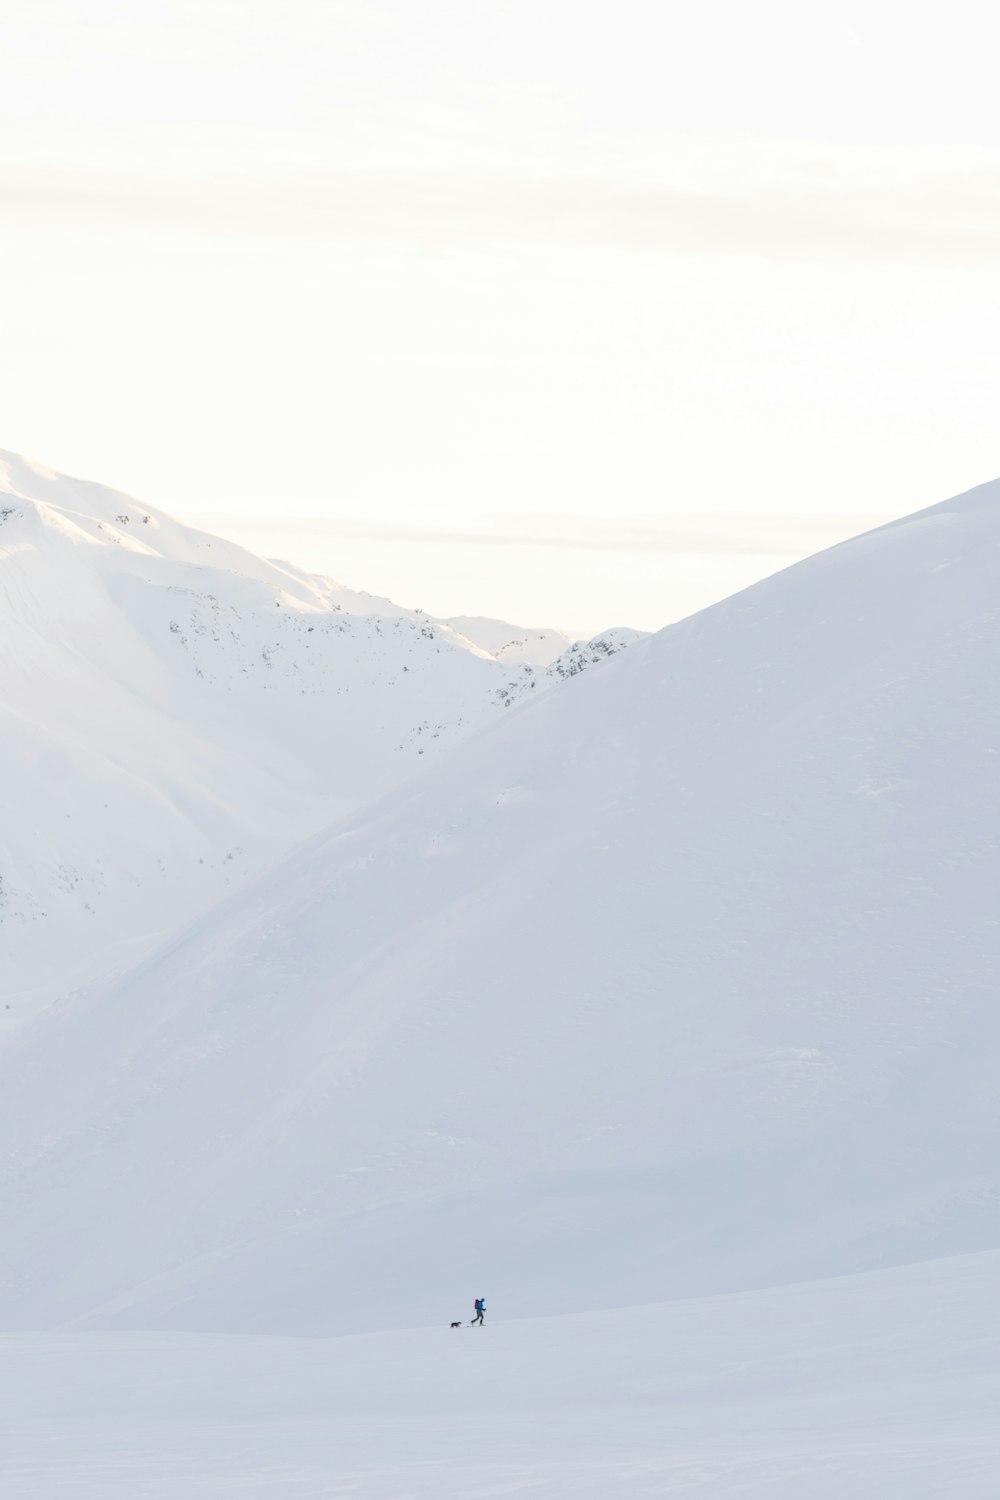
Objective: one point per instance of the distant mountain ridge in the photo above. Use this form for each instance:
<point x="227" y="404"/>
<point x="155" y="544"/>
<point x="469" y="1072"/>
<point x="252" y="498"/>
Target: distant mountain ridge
<point x="533" y="648"/>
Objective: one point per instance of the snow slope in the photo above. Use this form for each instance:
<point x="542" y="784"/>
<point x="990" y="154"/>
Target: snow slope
<point x="175" y="712"/>
<point x="873" y="1388"/>
<point x="680" y="979"/>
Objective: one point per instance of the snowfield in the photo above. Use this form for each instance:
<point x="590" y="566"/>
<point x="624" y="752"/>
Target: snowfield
<point x="875" y="1387"/>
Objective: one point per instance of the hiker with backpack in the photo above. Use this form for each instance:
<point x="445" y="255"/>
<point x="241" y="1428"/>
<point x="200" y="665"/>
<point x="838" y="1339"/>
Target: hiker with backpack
<point x="480" y="1306"/>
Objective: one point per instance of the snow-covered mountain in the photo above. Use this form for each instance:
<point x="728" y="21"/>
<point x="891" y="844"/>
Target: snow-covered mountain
<point x="175" y="712"/>
<point x="681" y="978"/>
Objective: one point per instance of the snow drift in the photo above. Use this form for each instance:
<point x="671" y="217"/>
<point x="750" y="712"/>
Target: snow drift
<point x="680" y="979"/>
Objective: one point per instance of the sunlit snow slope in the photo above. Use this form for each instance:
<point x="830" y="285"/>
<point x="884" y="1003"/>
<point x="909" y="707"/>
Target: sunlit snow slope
<point x="680" y="979"/>
<point x="174" y="712"/>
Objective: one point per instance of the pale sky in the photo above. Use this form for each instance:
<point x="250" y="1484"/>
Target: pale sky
<point x="577" y="313"/>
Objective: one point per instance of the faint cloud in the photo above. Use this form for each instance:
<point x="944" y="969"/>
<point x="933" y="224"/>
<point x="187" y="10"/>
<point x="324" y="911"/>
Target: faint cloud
<point x="721" y="536"/>
<point x="948" y="216"/>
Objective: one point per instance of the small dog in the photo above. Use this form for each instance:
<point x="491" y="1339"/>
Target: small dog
<point x="456" y="1325"/>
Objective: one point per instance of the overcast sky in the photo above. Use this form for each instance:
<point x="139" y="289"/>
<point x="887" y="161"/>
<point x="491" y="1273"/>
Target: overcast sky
<point x="575" y="311"/>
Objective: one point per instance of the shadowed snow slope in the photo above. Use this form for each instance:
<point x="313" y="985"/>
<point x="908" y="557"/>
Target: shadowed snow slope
<point x="175" y="713"/>
<point x="679" y="979"/>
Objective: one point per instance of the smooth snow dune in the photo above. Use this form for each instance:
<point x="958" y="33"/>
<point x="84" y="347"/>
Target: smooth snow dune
<point x="679" y="979"/>
<point x="872" y="1387"/>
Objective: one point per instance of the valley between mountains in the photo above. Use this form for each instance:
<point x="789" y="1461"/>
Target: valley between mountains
<point x="357" y="963"/>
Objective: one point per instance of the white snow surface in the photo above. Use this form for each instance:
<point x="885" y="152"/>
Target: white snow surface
<point x="175" y="713"/>
<point x="877" y="1387"/>
<point x="681" y="979"/>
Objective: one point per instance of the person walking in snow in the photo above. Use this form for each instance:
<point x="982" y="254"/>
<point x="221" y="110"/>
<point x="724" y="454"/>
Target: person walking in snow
<point x="480" y="1306"/>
